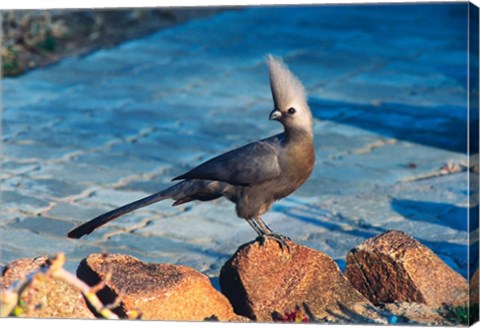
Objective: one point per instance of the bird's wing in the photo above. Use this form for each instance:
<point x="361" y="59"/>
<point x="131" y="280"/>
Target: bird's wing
<point x="252" y="164"/>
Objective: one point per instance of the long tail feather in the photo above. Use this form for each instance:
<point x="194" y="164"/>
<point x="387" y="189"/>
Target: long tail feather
<point x="93" y="224"/>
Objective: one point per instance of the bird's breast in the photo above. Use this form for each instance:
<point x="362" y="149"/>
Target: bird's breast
<point x="297" y="165"/>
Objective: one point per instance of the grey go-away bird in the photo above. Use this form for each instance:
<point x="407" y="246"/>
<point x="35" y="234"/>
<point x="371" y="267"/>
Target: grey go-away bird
<point x="253" y="176"/>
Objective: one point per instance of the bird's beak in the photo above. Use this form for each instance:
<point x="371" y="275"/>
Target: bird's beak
<point x="275" y="115"/>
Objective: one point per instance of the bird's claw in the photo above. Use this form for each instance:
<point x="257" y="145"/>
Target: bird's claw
<point x="280" y="239"/>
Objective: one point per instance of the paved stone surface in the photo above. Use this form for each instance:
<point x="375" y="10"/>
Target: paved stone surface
<point x="387" y="85"/>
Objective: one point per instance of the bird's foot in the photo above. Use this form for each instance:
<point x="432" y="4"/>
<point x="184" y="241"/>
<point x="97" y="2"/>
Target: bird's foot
<point x="280" y="239"/>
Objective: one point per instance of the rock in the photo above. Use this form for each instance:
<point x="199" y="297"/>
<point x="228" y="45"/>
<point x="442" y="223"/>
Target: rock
<point x="19" y="269"/>
<point x="156" y="291"/>
<point x="45" y="298"/>
<point x="264" y="282"/>
<point x="395" y="267"/>
<point x="474" y="288"/>
<point x="240" y="318"/>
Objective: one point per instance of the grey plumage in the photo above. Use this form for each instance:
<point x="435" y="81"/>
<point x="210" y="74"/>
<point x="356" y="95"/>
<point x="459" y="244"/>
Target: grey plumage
<point x="253" y="176"/>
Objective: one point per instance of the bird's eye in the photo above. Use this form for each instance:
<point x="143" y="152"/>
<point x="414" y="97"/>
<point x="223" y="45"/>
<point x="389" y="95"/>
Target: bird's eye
<point x="291" y="111"/>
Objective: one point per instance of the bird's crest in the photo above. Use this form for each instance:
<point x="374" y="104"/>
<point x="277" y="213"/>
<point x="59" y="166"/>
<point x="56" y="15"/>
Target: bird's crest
<point x="286" y="87"/>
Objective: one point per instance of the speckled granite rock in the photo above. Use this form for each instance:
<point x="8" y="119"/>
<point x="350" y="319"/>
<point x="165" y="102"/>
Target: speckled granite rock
<point x="157" y="291"/>
<point x="395" y="267"/>
<point x="19" y="269"/>
<point x="45" y="298"/>
<point x="474" y="288"/>
<point x="263" y="281"/>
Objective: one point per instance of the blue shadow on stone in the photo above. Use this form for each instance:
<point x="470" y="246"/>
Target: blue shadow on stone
<point x="215" y="281"/>
<point x="440" y="127"/>
<point x="323" y="218"/>
<point x="436" y="213"/>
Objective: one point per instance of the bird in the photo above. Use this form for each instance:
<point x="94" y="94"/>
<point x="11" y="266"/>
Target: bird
<point x="254" y="176"/>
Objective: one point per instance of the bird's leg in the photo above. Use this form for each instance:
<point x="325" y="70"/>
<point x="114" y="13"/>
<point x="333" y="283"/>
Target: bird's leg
<point x="268" y="233"/>
<point x="255" y="227"/>
<point x="263" y="225"/>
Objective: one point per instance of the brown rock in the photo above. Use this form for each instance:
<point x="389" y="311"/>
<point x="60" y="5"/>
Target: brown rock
<point x="266" y="281"/>
<point x="19" y="269"/>
<point x="474" y="288"/>
<point x="44" y="298"/>
<point x="395" y="267"/>
<point x="240" y="318"/>
<point x="156" y="291"/>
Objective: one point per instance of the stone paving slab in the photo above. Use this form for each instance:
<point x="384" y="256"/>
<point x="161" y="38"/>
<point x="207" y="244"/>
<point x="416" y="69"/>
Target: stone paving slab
<point x="387" y="86"/>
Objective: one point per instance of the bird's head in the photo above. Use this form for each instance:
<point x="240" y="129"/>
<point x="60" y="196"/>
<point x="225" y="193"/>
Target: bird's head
<point x="289" y="98"/>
